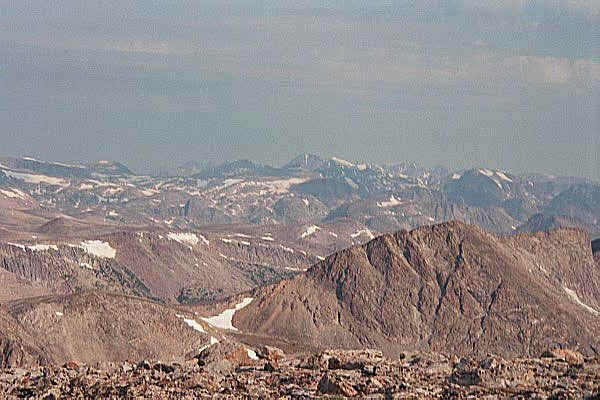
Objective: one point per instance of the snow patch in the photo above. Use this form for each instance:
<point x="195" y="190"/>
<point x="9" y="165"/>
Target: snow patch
<point x="149" y="192"/>
<point x="35" y="247"/>
<point x="267" y="238"/>
<point x="362" y="231"/>
<point x="204" y="240"/>
<point x="288" y="249"/>
<point x="342" y="162"/>
<point x="456" y="176"/>
<point x="193" y="324"/>
<point x="310" y="231"/>
<point x="490" y="174"/>
<point x="14" y="194"/>
<point x="186" y="238"/>
<point x="85" y="265"/>
<point x="503" y="176"/>
<point x="392" y="202"/>
<point x="224" y="320"/>
<point x="98" y="248"/>
<point x="252" y="354"/>
<point x="43" y="247"/>
<point x="575" y="298"/>
<point x="37" y="179"/>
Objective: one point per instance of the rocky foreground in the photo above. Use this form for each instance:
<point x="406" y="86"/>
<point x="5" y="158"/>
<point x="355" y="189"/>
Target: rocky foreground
<point x="231" y="371"/>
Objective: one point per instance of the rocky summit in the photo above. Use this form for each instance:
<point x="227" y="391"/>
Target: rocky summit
<point x="331" y="374"/>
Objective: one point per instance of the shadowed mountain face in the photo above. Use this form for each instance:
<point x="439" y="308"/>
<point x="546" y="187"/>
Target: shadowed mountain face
<point x="596" y="250"/>
<point x="580" y="201"/>
<point x="452" y="288"/>
<point x="542" y="222"/>
<point x="165" y="268"/>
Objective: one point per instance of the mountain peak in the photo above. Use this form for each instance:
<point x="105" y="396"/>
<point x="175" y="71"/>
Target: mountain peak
<point x="306" y="161"/>
<point x="446" y="287"/>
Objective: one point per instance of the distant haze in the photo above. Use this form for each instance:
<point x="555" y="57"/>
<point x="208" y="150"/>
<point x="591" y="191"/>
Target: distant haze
<point x="512" y="84"/>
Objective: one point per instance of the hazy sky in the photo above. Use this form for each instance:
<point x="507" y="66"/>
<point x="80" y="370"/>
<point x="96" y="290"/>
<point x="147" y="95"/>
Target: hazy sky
<point x="512" y="84"/>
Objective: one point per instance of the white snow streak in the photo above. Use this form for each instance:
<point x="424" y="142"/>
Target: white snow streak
<point x="186" y="238"/>
<point x="310" y="231"/>
<point x="224" y="320"/>
<point x="575" y="298"/>
<point x="503" y="176"/>
<point x="288" y="249"/>
<point x="363" y="231"/>
<point x="490" y="174"/>
<point x="43" y="247"/>
<point x="35" y="247"/>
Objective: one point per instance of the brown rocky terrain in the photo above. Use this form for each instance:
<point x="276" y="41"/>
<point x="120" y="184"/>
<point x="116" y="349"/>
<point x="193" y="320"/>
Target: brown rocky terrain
<point x="333" y="374"/>
<point x="183" y="267"/>
<point x="94" y="327"/>
<point x="450" y="288"/>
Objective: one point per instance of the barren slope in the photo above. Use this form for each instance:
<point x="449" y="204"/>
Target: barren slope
<point x="448" y="288"/>
<point x="92" y="327"/>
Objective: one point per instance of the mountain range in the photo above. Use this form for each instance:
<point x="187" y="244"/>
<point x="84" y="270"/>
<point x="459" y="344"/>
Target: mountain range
<point x="99" y="264"/>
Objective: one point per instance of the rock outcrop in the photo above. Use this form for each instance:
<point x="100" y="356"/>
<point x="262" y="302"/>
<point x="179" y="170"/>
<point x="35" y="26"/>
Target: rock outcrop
<point x="414" y="376"/>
